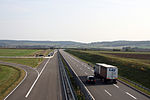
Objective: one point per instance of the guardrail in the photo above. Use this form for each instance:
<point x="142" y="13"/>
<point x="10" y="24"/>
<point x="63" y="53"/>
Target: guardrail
<point x="147" y="89"/>
<point x="136" y="84"/>
<point x="83" y="88"/>
<point x="69" y="93"/>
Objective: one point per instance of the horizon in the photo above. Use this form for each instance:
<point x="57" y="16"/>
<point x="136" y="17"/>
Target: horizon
<point x="76" y="41"/>
<point x="81" y="20"/>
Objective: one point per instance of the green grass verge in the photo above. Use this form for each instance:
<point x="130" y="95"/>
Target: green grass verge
<point x="9" y="78"/>
<point x="135" y="86"/>
<point x="17" y="52"/>
<point x="130" y="69"/>
<point x="32" y="62"/>
<point x="79" y="94"/>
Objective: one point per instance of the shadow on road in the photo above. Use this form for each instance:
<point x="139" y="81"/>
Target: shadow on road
<point x="98" y="81"/>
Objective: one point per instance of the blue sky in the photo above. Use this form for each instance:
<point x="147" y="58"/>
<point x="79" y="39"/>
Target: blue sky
<point x="75" y="20"/>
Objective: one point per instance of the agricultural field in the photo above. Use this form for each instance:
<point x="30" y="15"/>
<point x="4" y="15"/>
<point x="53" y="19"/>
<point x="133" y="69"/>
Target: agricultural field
<point x="22" y="52"/>
<point x="135" y="69"/>
<point x="134" y="55"/>
<point x="9" y="78"/>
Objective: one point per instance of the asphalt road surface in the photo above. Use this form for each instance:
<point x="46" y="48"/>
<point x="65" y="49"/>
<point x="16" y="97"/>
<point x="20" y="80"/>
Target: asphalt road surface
<point x="42" y="83"/>
<point x="102" y="91"/>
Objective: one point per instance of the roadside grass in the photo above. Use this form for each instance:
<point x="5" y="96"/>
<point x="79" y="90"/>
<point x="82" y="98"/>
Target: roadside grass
<point x="130" y="69"/>
<point x="10" y="77"/>
<point x="135" y="86"/>
<point x="32" y="62"/>
<point x="78" y="92"/>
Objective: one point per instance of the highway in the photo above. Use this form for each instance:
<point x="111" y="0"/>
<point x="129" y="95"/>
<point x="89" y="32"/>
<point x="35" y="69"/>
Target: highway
<point x="102" y="91"/>
<point x="41" y="83"/>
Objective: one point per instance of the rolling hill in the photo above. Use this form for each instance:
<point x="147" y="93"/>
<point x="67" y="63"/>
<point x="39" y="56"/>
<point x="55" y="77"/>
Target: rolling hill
<point x="71" y="44"/>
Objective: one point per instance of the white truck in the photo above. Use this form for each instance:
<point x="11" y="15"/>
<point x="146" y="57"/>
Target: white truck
<point x="107" y="73"/>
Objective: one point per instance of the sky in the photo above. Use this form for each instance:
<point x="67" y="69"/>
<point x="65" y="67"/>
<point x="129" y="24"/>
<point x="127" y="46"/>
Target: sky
<point x="75" y="20"/>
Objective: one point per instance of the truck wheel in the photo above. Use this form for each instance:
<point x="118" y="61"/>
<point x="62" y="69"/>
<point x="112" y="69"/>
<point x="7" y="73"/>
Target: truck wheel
<point x="115" y="82"/>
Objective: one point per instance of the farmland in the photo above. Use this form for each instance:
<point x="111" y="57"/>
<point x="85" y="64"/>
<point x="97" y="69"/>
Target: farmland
<point x="134" y="55"/>
<point x="133" y="69"/>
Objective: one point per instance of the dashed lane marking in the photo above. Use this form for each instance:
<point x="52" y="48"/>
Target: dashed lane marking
<point x="107" y="92"/>
<point x="131" y="95"/>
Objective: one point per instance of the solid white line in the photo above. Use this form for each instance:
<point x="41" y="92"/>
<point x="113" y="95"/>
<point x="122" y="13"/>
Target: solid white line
<point x="116" y="85"/>
<point x="17" y="85"/>
<point x="80" y="80"/>
<point x="131" y="95"/>
<point x="36" y="79"/>
<point x="108" y="93"/>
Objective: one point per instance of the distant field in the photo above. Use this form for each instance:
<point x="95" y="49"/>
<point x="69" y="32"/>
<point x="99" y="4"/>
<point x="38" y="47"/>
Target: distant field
<point x="134" y="69"/>
<point x="134" y="55"/>
<point x="9" y="78"/>
<point x="22" y="52"/>
<point x="32" y="62"/>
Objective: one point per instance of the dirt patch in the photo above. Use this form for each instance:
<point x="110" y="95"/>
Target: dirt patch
<point x="134" y="56"/>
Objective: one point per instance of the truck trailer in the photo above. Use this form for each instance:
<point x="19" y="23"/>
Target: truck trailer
<point x="107" y="73"/>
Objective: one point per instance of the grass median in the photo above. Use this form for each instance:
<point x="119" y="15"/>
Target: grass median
<point x="24" y="52"/>
<point x="131" y="69"/>
<point x="32" y="62"/>
<point x="10" y="77"/>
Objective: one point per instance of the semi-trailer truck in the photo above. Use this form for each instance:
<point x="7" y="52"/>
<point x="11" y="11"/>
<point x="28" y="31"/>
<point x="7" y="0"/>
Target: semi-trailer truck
<point x="107" y="73"/>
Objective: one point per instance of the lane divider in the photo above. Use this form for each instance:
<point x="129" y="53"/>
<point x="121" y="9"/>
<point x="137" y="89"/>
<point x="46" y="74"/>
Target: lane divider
<point x="131" y="95"/>
<point x="116" y="85"/>
<point x="107" y="92"/>
<point x="38" y="77"/>
<point x="92" y="98"/>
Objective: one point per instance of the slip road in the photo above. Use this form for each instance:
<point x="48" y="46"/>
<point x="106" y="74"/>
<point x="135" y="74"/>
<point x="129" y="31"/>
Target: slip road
<point x="42" y="83"/>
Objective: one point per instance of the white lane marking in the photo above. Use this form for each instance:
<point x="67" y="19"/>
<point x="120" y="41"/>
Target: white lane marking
<point x="88" y="67"/>
<point x="81" y="81"/>
<point x="36" y="79"/>
<point x="37" y="71"/>
<point x="85" y="73"/>
<point x="17" y="85"/>
<point x="131" y="95"/>
<point x="116" y="85"/>
<point x="108" y="93"/>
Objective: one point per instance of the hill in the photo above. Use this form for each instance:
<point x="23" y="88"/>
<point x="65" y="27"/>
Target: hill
<point x="71" y="44"/>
